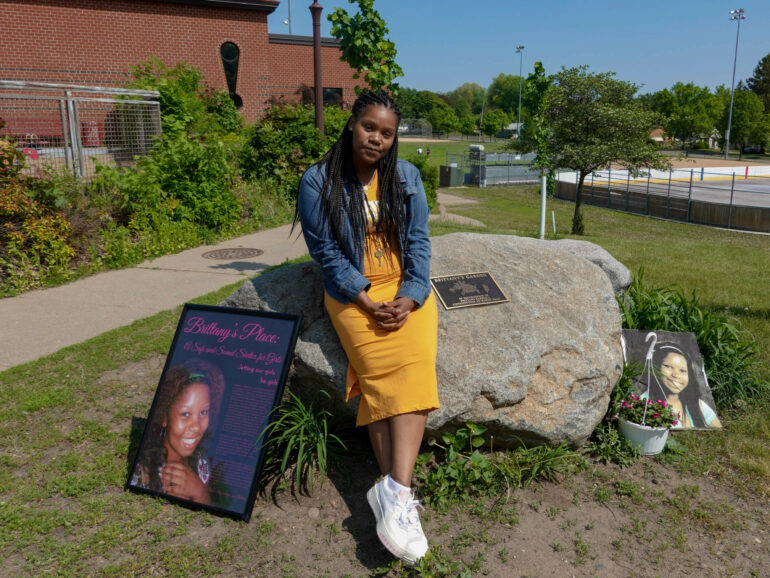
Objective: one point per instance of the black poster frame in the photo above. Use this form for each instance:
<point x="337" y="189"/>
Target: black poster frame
<point x="194" y="344"/>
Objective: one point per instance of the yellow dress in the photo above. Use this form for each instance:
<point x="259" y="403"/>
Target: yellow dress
<point x="393" y="371"/>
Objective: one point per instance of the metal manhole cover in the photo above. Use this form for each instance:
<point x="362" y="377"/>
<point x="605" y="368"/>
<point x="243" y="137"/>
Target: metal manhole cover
<point x="232" y="254"/>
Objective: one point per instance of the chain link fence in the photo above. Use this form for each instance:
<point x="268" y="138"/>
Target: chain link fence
<point x="483" y="169"/>
<point x="70" y="127"/>
<point x="415" y="127"/>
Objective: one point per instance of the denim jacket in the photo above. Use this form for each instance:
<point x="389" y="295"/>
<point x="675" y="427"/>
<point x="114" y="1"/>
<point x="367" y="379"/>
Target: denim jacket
<point x="341" y="267"/>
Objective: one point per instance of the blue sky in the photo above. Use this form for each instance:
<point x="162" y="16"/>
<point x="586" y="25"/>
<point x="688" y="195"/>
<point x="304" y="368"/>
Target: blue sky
<point x="442" y="44"/>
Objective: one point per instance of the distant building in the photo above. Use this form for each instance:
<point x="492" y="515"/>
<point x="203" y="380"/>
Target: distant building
<point x="510" y="131"/>
<point x="95" y="42"/>
<point x="657" y="135"/>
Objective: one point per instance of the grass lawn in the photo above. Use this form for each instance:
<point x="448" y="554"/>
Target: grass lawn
<point x="68" y="423"/>
<point x="727" y="269"/>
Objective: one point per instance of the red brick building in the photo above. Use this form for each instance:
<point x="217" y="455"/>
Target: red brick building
<point x="95" y="42"/>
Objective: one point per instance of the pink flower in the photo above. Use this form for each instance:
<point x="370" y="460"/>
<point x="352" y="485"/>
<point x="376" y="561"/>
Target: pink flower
<point x="656" y="415"/>
<point x="663" y="403"/>
<point x="674" y="422"/>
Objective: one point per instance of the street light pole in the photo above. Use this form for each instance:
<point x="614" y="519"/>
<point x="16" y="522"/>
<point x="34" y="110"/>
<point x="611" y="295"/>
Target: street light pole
<point x="315" y="10"/>
<point x="287" y="21"/>
<point x="520" y="52"/>
<point x="734" y="15"/>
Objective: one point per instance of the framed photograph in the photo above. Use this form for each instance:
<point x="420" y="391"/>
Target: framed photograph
<point x="672" y="369"/>
<point x="224" y="374"/>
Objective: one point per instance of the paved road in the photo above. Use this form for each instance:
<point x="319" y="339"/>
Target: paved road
<point x="750" y="193"/>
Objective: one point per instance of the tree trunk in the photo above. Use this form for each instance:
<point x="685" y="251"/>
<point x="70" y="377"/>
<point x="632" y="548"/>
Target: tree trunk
<point x="577" y="218"/>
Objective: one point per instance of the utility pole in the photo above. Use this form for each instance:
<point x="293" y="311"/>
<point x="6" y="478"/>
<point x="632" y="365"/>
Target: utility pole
<point x="520" y="52"/>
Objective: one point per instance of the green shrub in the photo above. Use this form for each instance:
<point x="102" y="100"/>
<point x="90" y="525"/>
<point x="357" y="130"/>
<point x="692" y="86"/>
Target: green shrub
<point x="187" y="105"/>
<point x="263" y="204"/>
<point x="429" y="176"/>
<point x="182" y="179"/>
<point x="34" y="242"/>
<point x="286" y="142"/>
<point x="222" y="108"/>
<point x="463" y="472"/>
<point x="299" y="437"/>
<point x="122" y="246"/>
<point x="729" y="352"/>
<point x="12" y="159"/>
<point x="282" y="146"/>
<point x="458" y="476"/>
<point x="335" y="121"/>
<point x="609" y="446"/>
<point x="57" y="188"/>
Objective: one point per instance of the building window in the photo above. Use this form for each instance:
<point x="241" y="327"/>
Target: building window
<point x="230" y="54"/>
<point x="333" y="97"/>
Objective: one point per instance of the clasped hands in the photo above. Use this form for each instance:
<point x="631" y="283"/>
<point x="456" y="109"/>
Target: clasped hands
<point x="179" y="480"/>
<point x="389" y="315"/>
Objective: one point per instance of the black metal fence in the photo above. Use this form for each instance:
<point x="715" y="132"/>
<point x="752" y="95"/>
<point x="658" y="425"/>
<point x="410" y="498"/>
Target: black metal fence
<point x="716" y="199"/>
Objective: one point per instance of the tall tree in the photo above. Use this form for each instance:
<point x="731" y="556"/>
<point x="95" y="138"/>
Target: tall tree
<point x="595" y="120"/>
<point x="365" y="45"/>
<point x="405" y="99"/>
<point x="759" y="83"/>
<point x="442" y="117"/>
<point x="691" y="112"/>
<point x="503" y="93"/>
<point x="424" y="102"/>
<point x="535" y="131"/>
<point x="495" y="120"/>
<point x="749" y="123"/>
<point x="470" y="93"/>
<point x="463" y="110"/>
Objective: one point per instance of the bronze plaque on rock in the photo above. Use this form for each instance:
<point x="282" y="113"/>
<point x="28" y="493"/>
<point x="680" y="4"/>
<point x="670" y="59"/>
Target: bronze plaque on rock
<point x="467" y="290"/>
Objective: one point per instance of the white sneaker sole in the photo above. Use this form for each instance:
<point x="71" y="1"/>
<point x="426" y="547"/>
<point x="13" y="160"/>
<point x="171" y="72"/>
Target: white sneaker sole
<point x="374" y="503"/>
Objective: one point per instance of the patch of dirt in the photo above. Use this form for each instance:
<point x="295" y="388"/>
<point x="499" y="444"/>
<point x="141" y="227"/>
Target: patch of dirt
<point x="640" y="521"/>
<point x="135" y="371"/>
<point x="547" y="530"/>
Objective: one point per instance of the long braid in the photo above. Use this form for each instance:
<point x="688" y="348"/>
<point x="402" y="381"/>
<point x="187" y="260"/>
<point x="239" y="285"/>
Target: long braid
<point x="336" y="206"/>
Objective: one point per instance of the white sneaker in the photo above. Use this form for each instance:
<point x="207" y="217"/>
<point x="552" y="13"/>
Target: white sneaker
<point x="398" y="523"/>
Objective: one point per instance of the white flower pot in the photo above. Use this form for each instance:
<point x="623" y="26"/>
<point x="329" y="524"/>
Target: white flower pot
<point x="650" y="440"/>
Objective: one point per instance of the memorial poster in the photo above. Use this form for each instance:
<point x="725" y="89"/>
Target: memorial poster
<point x="224" y="374"/>
<point x="672" y="370"/>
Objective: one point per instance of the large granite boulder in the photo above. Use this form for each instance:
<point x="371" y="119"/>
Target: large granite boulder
<point x="619" y="275"/>
<point x="537" y="369"/>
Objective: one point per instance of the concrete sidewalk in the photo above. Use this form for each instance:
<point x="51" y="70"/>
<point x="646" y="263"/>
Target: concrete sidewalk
<point x="42" y="322"/>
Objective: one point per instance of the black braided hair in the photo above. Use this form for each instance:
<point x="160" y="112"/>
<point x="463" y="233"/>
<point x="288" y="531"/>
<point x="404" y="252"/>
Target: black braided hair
<point x="335" y="205"/>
